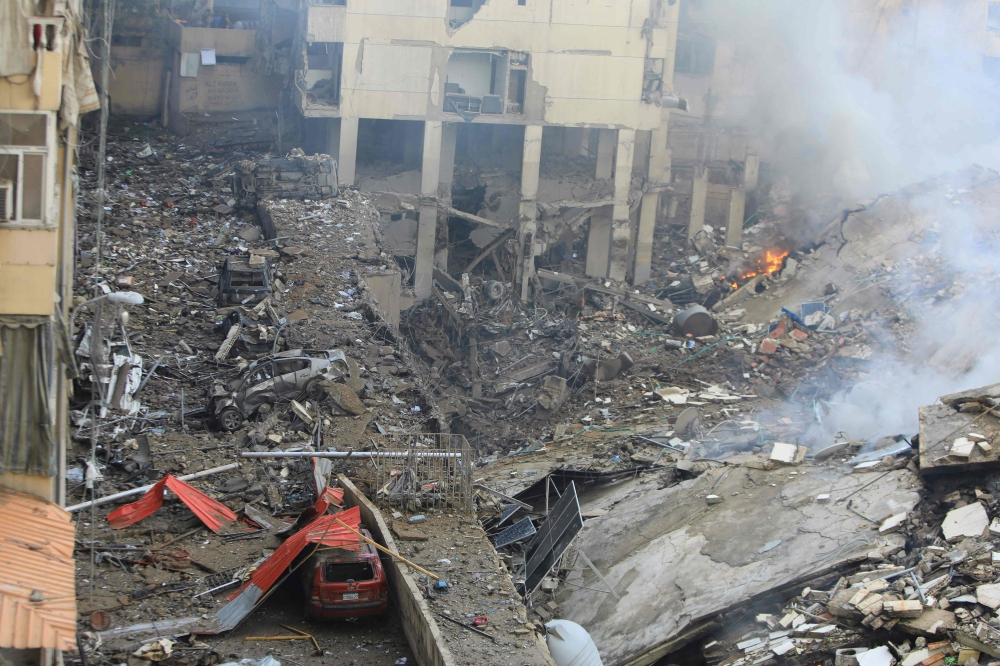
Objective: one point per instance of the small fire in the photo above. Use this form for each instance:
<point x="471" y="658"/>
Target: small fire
<point x="769" y="263"/>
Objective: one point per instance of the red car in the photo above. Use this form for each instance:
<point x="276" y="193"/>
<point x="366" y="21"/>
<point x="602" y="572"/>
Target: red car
<point x="341" y="583"/>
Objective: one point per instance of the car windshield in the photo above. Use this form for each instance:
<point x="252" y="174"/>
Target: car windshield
<point x="260" y="375"/>
<point x="341" y="572"/>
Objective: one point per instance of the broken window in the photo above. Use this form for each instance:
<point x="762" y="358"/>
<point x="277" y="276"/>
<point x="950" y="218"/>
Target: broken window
<point x="476" y="82"/>
<point x="341" y="572"/>
<point x="24" y="139"/>
<point x="323" y="71"/>
<point x="461" y="12"/>
<point x="695" y="55"/>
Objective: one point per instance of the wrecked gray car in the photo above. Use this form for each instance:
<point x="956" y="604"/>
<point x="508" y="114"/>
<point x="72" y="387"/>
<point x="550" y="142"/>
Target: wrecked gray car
<point x="279" y="378"/>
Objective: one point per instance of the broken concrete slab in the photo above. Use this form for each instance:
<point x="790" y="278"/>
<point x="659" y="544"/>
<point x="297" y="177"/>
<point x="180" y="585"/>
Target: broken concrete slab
<point x="967" y="521"/>
<point x="702" y="569"/>
<point x="989" y="595"/>
<point x="344" y="398"/>
<point x="932" y="622"/>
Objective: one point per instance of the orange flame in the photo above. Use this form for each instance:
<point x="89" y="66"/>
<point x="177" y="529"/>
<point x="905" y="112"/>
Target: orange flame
<point x="769" y="263"/>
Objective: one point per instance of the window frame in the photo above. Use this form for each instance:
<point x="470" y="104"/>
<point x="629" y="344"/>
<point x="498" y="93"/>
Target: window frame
<point x="47" y="153"/>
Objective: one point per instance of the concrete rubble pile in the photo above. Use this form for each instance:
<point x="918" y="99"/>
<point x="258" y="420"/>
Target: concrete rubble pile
<point x="332" y="289"/>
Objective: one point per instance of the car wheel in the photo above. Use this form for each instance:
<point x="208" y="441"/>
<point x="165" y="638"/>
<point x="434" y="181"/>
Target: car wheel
<point x="315" y="391"/>
<point x="230" y="419"/>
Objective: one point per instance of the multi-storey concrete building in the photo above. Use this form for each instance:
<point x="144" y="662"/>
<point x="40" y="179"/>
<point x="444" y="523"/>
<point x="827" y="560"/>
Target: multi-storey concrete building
<point x="45" y="84"/>
<point x="502" y="82"/>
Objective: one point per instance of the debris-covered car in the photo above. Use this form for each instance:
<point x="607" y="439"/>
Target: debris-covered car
<point x="278" y="378"/>
<point x="251" y="332"/>
<point x="341" y="583"/>
<point x="244" y="280"/>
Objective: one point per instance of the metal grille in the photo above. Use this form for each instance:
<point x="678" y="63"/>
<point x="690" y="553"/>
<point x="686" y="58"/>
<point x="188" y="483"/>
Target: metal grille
<point x="423" y="471"/>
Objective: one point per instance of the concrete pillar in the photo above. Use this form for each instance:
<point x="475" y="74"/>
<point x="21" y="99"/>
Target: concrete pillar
<point x="605" y="153"/>
<point x="659" y="156"/>
<point x="573" y="145"/>
<point x="423" y="270"/>
<point x="449" y="139"/>
<point x="751" y="172"/>
<point x="737" y="210"/>
<point x="332" y="135"/>
<point x="644" y="239"/>
<point x="348" y="155"/>
<point x="621" y="227"/>
<point x="599" y="243"/>
<point x="430" y="170"/>
<point x="531" y="163"/>
<point x="430" y="175"/>
<point x="699" y="197"/>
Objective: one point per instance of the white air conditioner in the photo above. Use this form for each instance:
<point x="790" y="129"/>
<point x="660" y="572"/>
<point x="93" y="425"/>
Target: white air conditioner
<point x="6" y="200"/>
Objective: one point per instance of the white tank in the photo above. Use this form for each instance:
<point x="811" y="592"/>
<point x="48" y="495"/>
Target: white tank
<point x="571" y="645"/>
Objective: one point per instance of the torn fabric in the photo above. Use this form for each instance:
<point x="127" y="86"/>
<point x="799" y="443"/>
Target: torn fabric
<point x="212" y="513"/>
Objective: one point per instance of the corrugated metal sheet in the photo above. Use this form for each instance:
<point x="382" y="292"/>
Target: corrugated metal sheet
<point x="213" y="514"/>
<point x="26" y="442"/>
<point x="323" y="530"/>
<point x="37" y="584"/>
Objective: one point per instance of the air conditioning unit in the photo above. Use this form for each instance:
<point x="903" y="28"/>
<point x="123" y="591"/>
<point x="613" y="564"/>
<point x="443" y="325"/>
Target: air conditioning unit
<point x="6" y="200"/>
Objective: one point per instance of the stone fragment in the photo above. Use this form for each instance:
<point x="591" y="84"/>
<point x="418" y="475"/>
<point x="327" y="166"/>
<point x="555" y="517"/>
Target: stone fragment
<point x="968" y="521"/>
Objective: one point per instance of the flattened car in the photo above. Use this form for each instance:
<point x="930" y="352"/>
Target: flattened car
<point x="279" y="378"/>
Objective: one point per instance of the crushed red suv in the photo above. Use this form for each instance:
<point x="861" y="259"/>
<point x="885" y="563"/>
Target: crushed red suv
<point x="341" y="583"/>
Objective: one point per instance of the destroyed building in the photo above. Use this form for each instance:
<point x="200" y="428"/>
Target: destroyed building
<point x="499" y="332"/>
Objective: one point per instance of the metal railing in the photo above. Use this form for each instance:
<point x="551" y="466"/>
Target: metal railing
<point x="423" y="471"/>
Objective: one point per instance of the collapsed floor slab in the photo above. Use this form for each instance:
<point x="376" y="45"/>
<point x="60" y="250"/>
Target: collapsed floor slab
<point x="677" y="561"/>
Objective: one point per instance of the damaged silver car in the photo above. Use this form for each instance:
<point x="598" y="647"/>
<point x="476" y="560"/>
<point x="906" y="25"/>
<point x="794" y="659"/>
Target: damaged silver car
<point x="282" y="377"/>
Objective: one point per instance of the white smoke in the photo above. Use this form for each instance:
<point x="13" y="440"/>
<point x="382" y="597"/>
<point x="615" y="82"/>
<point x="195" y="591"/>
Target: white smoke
<point x="865" y="97"/>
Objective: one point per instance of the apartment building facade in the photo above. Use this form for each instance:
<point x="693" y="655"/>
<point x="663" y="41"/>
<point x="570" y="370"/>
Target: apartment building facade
<point x="511" y="70"/>
<point x="45" y="84"/>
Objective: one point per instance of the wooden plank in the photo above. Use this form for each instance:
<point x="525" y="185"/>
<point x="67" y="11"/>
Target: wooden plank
<point x="454" y="212"/>
<point x="490" y="247"/>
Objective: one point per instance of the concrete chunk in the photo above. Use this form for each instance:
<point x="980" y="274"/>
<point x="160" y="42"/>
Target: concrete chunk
<point x="904" y="608"/>
<point x="967" y="521"/>
<point x="989" y="595"/>
<point x="879" y="656"/>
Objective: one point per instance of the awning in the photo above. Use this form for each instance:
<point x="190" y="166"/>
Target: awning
<point x="37" y="575"/>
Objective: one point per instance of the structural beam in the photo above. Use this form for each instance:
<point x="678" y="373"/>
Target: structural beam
<point x="621" y="227"/>
<point x="737" y="211"/>
<point x="347" y="160"/>
<point x="599" y="243"/>
<point x="605" y="153"/>
<point x="531" y="162"/>
<point x="644" y="238"/>
<point x="699" y="198"/>
<point x="430" y="176"/>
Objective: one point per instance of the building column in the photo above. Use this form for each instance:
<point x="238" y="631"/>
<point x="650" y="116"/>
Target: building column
<point x="531" y="163"/>
<point x="599" y="243"/>
<point x="659" y="156"/>
<point x="430" y="175"/>
<point x="621" y="227"/>
<point x="605" y="153"/>
<point x="348" y="154"/>
<point x="699" y="197"/>
<point x="644" y="239"/>
<point x="449" y="139"/>
<point x="751" y="172"/>
<point x="737" y="211"/>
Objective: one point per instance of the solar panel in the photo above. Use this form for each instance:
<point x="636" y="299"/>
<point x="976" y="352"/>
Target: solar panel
<point x="553" y="538"/>
<point x="508" y="511"/>
<point x="522" y="529"/>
